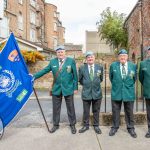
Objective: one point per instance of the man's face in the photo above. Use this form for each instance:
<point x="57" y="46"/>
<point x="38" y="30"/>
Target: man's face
<point x="123" y="58"/>
<point x="60" y="54"/>
<point x="90" y="59"/>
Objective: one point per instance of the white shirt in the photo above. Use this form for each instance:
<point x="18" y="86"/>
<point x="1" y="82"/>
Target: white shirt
<point x="125" y="66"/>
<point x="62" y="61"/>
<point x="89" y="67"/>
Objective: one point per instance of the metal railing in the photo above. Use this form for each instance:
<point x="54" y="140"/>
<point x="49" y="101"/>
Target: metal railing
<point x="139" y="104"/>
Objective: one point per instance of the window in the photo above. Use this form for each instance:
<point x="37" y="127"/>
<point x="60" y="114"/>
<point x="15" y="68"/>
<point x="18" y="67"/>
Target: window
<point x="5" y="4"/>
<point x="4" y="27"/>
<point x="20" y="21"/>
<point x="63" y="34"/>
<point x="32" y="35"/>
<point x="55" y="42"/>
<point x="55" y="14"/>
<point x="33" y="3"/>
<point x="20" y="1"/>
<point x="55" y="26"/>
<point x="2" y="10"/>
<point x="32" y="17"/>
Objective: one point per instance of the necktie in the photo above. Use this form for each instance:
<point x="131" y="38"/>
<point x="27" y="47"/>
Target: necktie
<point x="91" y="73"/>
<point x="123" y="72"/>
<point x="60" y="63"/>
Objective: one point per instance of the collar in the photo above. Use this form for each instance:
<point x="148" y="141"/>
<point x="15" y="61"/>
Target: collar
<point x="91" y="65"/>
<point x="61" y="59"/>
<point x="124" y="64"/>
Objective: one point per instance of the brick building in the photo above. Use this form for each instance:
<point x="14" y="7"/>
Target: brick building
<point x="138" y="28"/>
<point x="54" y="31"/>
<point x="32" y="20"/>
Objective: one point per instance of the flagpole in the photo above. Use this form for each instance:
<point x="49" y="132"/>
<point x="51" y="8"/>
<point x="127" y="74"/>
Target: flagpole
<point x="41" y="109"/>
<point x="1" y="129"/>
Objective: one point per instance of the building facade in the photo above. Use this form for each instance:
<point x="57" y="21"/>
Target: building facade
<point x="95" y="44"/>
<point x="54" y="31"/>
<point x="32" y="20"/>
<point x="138" y="28"/>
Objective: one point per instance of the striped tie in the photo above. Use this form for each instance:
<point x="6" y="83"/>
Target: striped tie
<point x="91" y="73"/>
<point x="123" y="72"/>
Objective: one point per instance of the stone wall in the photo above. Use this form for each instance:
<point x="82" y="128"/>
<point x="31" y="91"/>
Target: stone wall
<point x="46" y="80"/>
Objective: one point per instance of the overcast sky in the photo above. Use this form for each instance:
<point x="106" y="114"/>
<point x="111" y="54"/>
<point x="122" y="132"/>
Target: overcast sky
<point x="78" y="16"/>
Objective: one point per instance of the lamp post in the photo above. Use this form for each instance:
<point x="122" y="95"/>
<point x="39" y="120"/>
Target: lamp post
<point x="140" y="3"/>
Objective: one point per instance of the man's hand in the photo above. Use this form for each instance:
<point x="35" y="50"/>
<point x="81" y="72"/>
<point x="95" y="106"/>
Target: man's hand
<point x="32" y="77"/>
<point x="76" y="91"/>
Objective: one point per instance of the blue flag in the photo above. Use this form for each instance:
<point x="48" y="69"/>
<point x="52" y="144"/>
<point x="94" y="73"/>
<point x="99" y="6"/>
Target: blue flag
<point x="15" y="82"/>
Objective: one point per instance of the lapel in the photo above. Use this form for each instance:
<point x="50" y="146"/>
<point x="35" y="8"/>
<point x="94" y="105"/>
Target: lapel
<point x="64" y="64"/>
<point x="57" y="63"/>
<point x="87" y="71"/>
<point x="95" y="71"/>
<point x="129" y="69"/>
<point x="118" y="70"/>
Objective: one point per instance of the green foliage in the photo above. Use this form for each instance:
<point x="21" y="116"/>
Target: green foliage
<point x="110" y="27"/>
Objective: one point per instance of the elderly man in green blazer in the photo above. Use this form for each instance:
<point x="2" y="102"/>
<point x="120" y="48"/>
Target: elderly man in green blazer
<point x="65" y="84"/>
<point x="144" y="77"/>
<point x="122" y="76"/>
<point x="90" y="77"/>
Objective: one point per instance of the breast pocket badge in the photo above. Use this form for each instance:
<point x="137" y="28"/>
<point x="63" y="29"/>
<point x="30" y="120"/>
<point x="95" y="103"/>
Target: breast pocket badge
<point x="98" y="73"/>
<point x="132" y="74"/>
<point x="68" y="69"/>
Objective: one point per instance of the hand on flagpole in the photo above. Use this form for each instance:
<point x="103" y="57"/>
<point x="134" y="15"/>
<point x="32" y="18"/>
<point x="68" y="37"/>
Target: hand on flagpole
<point x="33" y="78"/>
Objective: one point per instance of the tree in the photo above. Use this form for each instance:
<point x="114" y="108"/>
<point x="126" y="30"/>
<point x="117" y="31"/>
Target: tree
<point x="110" y="27"/>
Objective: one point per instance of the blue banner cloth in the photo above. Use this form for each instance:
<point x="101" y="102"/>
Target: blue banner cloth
<point x="16" y="84"/>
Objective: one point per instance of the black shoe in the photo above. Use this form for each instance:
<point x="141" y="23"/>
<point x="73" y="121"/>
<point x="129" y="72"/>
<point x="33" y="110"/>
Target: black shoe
<point x="73" y="129"/>
<point x="54" y="128"/>
<point x="132" y="133"/>
<point x="112" y="132"/>
<point x="97" y="130"/>
<point x="83" y="129"/>
<point x="148" y="134"/>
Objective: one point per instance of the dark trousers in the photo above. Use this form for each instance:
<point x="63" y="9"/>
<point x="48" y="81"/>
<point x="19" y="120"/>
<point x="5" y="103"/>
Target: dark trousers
<point x="128" y="109"/>
<point x="148" y="112"/>
<point x="95" y="109"/>
<point x="57" y="100"/>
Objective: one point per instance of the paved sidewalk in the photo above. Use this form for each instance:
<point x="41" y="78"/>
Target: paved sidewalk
<point x="38" y="138"/>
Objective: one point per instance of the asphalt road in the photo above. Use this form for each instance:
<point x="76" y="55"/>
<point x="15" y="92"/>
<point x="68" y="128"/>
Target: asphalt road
<point x="30" y="114"/>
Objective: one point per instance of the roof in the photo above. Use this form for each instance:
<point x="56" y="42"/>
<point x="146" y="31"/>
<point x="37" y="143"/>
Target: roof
<point x="73" y="47"/>
<point x="32" y="44"/>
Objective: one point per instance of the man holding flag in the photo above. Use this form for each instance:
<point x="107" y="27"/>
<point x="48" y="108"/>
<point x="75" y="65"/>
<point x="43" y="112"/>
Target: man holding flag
<point x="65" y="84"/>
<point x="15" y="82"/>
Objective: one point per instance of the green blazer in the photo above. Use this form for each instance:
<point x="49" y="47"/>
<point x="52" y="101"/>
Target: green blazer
<point x="122" y="89"/>
<point x="67" y="80"/>
<point x="144" y="77"/>
<point x="91" y="89"/>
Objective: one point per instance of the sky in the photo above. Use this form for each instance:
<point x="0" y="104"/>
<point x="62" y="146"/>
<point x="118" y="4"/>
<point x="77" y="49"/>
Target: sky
<point x="77" y="16"/>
